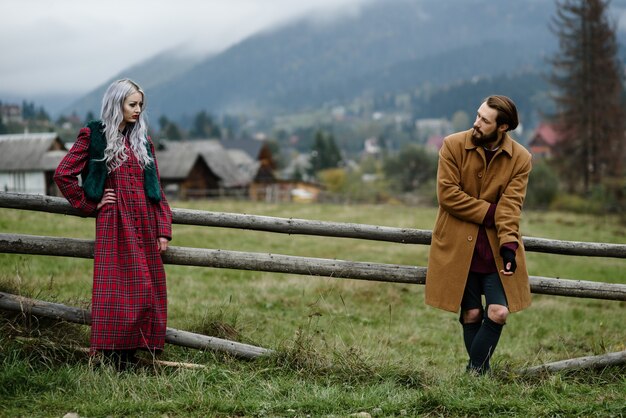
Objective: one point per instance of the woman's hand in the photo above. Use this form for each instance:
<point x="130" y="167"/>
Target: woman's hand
<point x="108" y="197"/>
<point x="163" y="243"/>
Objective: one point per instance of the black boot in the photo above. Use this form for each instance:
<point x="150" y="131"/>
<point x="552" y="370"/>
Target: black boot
<point x="112" y="358"/>
<point x="129" y="361"/>
<point x="120" y="360"/>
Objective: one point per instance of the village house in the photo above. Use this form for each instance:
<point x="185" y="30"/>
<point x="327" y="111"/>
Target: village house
<point x="544" y="139"/>
<point x="188" y="169"/>
<point x="434" y="142"/>
<point x="28" y="161"/>
<point x="253" y="157"/>
<point x="198" y="169"/>
<point x="433" y="126"/>
<point x="10" y="113"/>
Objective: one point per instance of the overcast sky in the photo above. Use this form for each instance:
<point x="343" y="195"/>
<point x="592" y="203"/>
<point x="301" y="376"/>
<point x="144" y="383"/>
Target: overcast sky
<point x="72" y="46"/>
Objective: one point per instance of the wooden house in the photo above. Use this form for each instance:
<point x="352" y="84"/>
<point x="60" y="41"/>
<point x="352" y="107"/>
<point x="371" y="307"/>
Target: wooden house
<point x="253" y="157"/>
<point x="28" y="162"/>
<point x="543" y="140"/>
<point x="196" y="169"/>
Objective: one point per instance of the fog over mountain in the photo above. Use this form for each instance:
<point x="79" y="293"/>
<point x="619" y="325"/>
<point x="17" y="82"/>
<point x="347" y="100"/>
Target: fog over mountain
<point x="389" y="46"/>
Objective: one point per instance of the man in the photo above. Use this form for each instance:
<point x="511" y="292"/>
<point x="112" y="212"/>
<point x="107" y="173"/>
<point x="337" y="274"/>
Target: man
<point x="476" y="246"/>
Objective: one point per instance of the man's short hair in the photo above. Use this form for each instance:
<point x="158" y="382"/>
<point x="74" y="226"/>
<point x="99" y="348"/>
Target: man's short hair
<point x="507" y="111"/>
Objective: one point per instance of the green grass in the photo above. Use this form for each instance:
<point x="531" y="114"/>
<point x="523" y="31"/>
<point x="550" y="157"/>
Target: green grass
<point x="343" y="346"/>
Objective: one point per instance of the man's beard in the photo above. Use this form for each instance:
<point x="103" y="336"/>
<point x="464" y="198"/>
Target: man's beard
<point x="484" y="139"/>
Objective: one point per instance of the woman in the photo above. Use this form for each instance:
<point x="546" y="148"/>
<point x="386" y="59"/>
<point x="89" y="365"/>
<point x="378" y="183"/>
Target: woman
<point x="120" y="183"/>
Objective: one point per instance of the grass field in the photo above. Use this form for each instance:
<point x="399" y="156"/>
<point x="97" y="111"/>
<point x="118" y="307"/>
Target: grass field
<point x="343" y="346"/>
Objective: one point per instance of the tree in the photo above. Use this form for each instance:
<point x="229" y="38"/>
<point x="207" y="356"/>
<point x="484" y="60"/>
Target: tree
<point x="169" y="130"/>
<point x="460" y="121"/>
<point x="543" y="186"/>
<point x="42" y="115"/>
<point x="89" y="117"/>
<point x="324" y="153"/>
<point x="277" y="156"/>
<point x="586" y="75"/>
<point x="413" y="166"/>
<point x="204" y="127"/>
<point x="28" y="110"/>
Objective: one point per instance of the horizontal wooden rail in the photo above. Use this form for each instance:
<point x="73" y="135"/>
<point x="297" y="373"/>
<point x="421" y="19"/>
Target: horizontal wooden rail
<point x="312" y="227"/>
<point x="172" y="336"/>
<point x="72" y="247"/>
<point x="276" y="263"/>
<point x="589" y="362"/>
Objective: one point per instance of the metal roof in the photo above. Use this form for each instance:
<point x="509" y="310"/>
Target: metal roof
<point x="30" y="152"/>
<point x="178" y="158"/>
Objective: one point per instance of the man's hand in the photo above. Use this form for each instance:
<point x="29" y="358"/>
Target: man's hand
<point x="163" y="243"/>
<point x="508" y="256"/>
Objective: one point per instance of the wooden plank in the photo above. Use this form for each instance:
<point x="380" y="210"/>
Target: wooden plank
<point x="577" y="288"/>
<point x="294" y="226"/>
<point x="173" y="336"/>
<point x="589" y="362"/>
<point x="278" y="263"/>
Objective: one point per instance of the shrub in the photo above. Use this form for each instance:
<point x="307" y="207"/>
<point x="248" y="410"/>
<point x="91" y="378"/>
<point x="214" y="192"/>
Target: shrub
<point x="573" y="203"/>
<point x="543" y="186"/>
<point x="413" y="166"/>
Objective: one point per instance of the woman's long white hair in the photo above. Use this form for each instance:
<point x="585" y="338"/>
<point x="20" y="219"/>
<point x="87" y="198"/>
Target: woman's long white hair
<point x="112" y="116"/>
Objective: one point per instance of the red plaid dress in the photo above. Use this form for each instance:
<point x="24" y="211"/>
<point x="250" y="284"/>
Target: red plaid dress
<point x="129" y="300"/>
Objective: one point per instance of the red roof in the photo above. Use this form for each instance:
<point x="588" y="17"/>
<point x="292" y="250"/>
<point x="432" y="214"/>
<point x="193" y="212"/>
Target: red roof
<point x="546" y="133"/>
<point x="435" y="142"/>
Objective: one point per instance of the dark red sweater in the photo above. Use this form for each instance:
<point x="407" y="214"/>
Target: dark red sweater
<point x="482" y="259"/>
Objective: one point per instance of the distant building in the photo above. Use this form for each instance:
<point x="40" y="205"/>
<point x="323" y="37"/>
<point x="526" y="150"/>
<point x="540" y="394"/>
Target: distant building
<point x="298" y="167"/>
<point x="247" y="165"/>
<point x="542" y="143"/>
<point x="188" y="169"/>
<point x="11" y="113"/>
<point x="253" y="157"/>
<point x="285" y="191"/>
<point x="28" y="162"/>
<point x="434" y="142"/>
<point x="371" y="146"/>
<point x="197" y="169"/>
<point x="209" y="167"/>
<point x="428" y="127"/>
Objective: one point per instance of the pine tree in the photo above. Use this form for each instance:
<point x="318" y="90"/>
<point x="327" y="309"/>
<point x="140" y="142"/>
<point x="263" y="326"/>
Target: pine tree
<point x="586" y="74"/>
<point x="204" y="127"/>
<point x="324" y="153"/>
<point x="168" y="129"/>
<point x="89" y="117"/>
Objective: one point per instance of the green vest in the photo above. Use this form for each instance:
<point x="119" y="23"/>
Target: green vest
<point x="95" y="172"/>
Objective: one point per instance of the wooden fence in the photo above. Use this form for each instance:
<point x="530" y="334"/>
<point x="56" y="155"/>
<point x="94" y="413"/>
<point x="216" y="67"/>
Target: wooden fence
<point x="69" y="247"/>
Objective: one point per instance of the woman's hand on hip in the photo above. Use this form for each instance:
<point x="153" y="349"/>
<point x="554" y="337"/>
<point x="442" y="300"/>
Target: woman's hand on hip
<point x="108" y="197"/>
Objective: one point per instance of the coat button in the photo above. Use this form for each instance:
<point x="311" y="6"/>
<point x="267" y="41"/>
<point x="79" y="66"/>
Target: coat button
<point x="480" y="175"/>
<point x="470" y="238"/>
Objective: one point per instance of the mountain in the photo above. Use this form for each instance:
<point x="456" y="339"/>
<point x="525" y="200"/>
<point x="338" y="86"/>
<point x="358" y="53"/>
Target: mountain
<point x="53" y="103"/>
<point x="150" y="74"/>
<point x="306" y="63"/>
<point x="389" y="46"/>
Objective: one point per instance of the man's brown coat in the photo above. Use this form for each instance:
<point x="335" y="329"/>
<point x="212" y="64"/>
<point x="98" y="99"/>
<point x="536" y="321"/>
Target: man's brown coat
<point x="465" y="189"/>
